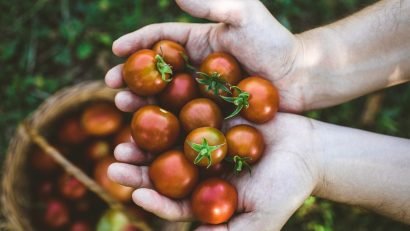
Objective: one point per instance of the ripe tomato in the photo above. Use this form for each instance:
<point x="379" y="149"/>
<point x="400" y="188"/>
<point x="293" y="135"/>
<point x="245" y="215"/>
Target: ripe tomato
<point x="223" y="64"/>
<point x="101" y="119"/>
<point x="141" y="74"/>
<point x="214" y="201"/>
<point x="71" y="188"/>
<point x="179" y="91"/>
<point x="154" y="129"/>
<point x="263" y="99"/>
<point x="71" y="131"/>
<point x="56" y="214"/>
<point x="120" y="192"/>
<point x="205" y="146"/>
<point x="98" y="149"/>
<point x="246" y="143"/>
<point x="216" y="170"/>
<point x="42" y="162"/>
<point x="200" y="112"/>
<point x="173" y="175"/>
<point x="172" y="52"/>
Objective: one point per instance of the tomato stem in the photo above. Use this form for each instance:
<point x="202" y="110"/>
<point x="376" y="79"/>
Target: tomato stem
<point x="204" y="150"/>
<point x="241" y="101"/>
<point x="240" y="163"/>
<point x="187" y="63"/>
<point x="214" y="82"/>
<point x="163" y="68"/>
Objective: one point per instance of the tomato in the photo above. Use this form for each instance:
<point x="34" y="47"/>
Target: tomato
<point x="56" y="214"/>
<point x="216" y="170"/>
<point x="71" y="131"/>
<point x="173" y="175"/>
<point x="179" y="91"/>
<point x="154" y="129"/>
<point x="214" y="201"/>
<point x="141" y="74"/>
<point x="98" y="149"/>
<point x="123" y="136"/>
<point x="80" y="226"/>
<point x="71" y="188"/>
<point x="120" y="192"/>
<point x="172" y="52"/>
<point x="205" y="146"/>
<point x="43" y="162"/>
<point x="263" y="99"/>
<point x="200" y="112"/>
<point x="101" y="119"/>
<point x="223" y="64"/>
<point x="245" y="145"/>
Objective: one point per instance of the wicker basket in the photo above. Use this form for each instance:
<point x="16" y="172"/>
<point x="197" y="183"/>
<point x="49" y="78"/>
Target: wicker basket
<point x="15" y="199"/>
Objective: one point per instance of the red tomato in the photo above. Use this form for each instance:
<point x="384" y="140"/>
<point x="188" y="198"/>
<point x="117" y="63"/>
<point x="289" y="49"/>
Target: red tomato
<point x="223" y="64"/>
<point x="205" y="146"/>
<point x="179" y="91"/>
<point x="80" y="226"/>
<point x="120" y="192"/>
<point x="214" y="201"/>
<point x="154" y="129"/>
<point x="172" y="52"/>
<point x="101" y="119"/>
<point x="141" y="75"/>
<point x="245" y="142"/>
<point x="263" y="99"/>
<point x="200" y="112"/>
<point x="56" y="214"/>
<point x="173" y="175"/>
<point x="42" y="162"/>
<point x="216" y="170"/>
<point x="71" y="131"/>
<point x="71" y="188"/>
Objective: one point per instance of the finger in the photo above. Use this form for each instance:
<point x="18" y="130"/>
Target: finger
<point x="162" y="206"/>
<point x="244" y="221"/>
<point x="148" y="35"/>
<point x="131" y="154"/>
<point x="226" y="11"/>
<point x="129" y="175"/>
<point x="113" y="78"/>
<point x="129" y="102"/>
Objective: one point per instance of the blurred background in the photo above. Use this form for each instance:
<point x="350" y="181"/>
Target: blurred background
<point x="46" y="45"/>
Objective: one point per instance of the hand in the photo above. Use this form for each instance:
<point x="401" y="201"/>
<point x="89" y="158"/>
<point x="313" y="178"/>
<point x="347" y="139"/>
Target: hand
<point x="285" y="176"/>
<point x="247" y="31"/>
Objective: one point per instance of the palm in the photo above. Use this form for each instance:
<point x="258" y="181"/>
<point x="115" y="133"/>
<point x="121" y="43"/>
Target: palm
<point x="282" y="179"/>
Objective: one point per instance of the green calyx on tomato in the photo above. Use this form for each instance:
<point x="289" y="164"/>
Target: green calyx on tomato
<point x="240" y="163"/>
<point x="204" y="150"/>
<point x="163" y="68"/>
<point x="241" y="101"/>
<point x="214" y="82"/>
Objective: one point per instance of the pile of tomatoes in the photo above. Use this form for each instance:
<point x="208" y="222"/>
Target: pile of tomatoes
<point x="185" y="129"/>
<point x="86" y="137"/>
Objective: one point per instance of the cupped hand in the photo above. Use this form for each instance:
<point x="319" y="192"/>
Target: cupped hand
<point x="245" y="29"/>
<point x="279" y="183"/>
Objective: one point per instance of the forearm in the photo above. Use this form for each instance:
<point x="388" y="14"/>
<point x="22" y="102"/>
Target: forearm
<point x="367" y="51"/>
<point x="365" y="169"/>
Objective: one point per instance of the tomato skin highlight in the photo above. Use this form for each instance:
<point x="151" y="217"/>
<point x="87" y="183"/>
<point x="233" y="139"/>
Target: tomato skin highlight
<point x="224" y="64"/>
<point x="173" y="175"/>
<point x="154" y="129"/>
<point x="245" y="141"/>
<point x="141" y="75"/>
<point x="200" y="112"/>
<point x="172" y="52"/>
<point x="263" y="99"/>
<point x="179" y="91"/>
<point x="214" y="201"/>
<point x="214" y="137"/>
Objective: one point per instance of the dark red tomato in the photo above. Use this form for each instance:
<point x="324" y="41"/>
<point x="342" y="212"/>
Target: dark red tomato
<point x="214" y="201"/>
<point x="56" y="214"/>
<point x="263" y="99"/>
<point x="205" y="146"/>
<point x="216" y="170"/>
<point x="80" y="226"/>
<point x="71" y="188"/>
<point x="179" y="91"/>
<point x="71" y="131"/>
<point x="223" y="64"/>
<point x="42" y="162"/>
<point x="246" y="142"/>
<point x="101" y="119"/>
<point x="199" y="113"/>
<point x="141" y="75"/>
<point x="154" y="129"/>
<point x="172" y="53"/>
<point x="173" y="175"/>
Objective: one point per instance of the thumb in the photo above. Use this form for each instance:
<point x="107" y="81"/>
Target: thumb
<point x="226" y="11"/>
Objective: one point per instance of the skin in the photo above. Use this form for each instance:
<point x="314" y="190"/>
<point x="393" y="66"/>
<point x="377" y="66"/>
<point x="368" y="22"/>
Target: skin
<point x="173" y="175"/>
<point x="154" y="129"/>
<point x="318" y="68"/>
<point x="200" y="112"/>
<point x="182" y="89"/>
<point x="141" y="74"/>
<point x="214" y="137"/>
<point x="171" y="52"/>
<point x="263" y="99"/>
